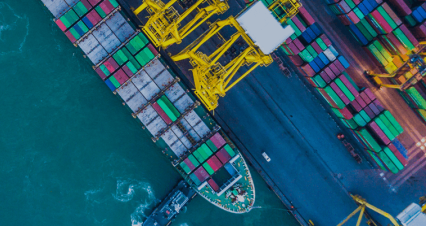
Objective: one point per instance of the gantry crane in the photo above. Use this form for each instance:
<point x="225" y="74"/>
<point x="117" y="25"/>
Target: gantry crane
<point x="164" y="27"/>
<point x="414" y="66"/>
<point x="284" y="9"/>
<point x="413" y="215"/>
<point x="211" y="78"/>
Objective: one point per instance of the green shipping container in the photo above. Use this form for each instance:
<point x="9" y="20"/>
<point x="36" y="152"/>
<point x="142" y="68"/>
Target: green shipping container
<point x="359" y="120"/>
<point x="321" y="44"/>
<point x="193" y="160"/>
<point x="394" y="122"/>
<point x="389" y="125"/>
<point x="208" y="168"/>
<point x="114" y="3"/>
<point x="403" y="39"/>
<point x="198" y="155"/>
<point x="80" y="9"/>
<point x="415" y="95"/>
<point x="101" y="12"/>
<point x="185" y="167"/>
<point x="229" y="150"/>
<point x="393" y="158"/>
<point x="319" y="81"/>
<point x="385" y="129"/>
<point x="211" y="145"/>
<point x="170" y="106"/>
<point x="386" y="16"/>
<point x="120" y="57"/>
<point x="344" y="89"/>
<point x="369" y="140"/>
<point x="207" y="150"/>
<point x="377" y="160"/>
<point x="334" y="97"/>
<point x="114" y="81"/>
<point x="167" y="110"/>
<point x="389" y="164"/>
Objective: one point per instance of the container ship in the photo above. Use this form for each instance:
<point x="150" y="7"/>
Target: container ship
<point x="132" y="68"/>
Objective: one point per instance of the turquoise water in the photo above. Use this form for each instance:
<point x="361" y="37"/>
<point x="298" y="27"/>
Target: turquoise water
<point x="71" y="154"/>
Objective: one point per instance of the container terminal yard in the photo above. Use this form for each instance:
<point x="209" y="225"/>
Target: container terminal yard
<point x="283" y="110"/>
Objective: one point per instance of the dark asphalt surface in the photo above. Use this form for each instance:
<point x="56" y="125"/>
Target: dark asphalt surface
<point x="284" y="117"/>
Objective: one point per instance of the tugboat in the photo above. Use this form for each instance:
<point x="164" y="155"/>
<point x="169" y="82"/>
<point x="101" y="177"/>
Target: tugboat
<point x="171" y="205"/>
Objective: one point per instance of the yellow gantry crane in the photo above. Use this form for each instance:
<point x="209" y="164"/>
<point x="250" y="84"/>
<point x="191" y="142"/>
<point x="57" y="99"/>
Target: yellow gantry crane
<point x="413" y="215"/>
<point x="212" y="79"/>
<point x="284" y="9"/>
<point x="164" y="24"/>
<point x="413" y="69"/>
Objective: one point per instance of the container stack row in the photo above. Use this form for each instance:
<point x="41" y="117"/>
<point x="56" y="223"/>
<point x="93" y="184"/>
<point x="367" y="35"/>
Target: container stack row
<point x="389" y="31"/>
<point x="358" y="109"/>
<point x="133" y="69"/>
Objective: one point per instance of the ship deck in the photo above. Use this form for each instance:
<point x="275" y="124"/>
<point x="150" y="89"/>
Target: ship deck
<point x="133" y="69"/>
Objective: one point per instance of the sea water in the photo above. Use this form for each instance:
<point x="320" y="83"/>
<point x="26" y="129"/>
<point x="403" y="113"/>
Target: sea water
<point x="70" y="152"/>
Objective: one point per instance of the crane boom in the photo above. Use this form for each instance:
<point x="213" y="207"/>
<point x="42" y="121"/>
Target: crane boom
<point x="164" y="27"/>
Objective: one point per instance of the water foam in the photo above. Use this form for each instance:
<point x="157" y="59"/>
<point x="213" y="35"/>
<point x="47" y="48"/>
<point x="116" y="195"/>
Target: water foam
<point x="10" y="25"/>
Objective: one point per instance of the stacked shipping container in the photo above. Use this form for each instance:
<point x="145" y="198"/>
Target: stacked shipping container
<point x="357" y="108"/>
<point x="389" y="31"/>
<point x="131" y="67"/>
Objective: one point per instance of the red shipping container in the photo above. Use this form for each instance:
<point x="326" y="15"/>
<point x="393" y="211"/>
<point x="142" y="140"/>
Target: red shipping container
<point x="340" y="93"/>
<point x="217" y="140"/>
<point x="325" y="77"/>
<point x="353" y="17"/>
<point x="349" y="85"/>
<point x="161" y="112"/>
<point x="419" y="32"/>
<point x="70" y="36"/>
<point x="213" y="185"/>
<point x="339" y="66"/>
<point x="356" y="106"/>
<point x="121" y="76"/>
<point x="292" y="49"/>
<point x="328" y="98"/>
<point x="297" y="60"/>
<point x="306" y="16"/>
<point x="392" y="14"/>
<point x="396" y="43"/>
<point x="398" y="154"/>
<point x="298" y="24"/>
<point x="298" y="44"/>
<point x="369" y="112"/>
<point x="344" y="19"/>
<point x="86" y="4"/>
<point x="189" y="164"/>
<point x="326" y="41"/>
<point x="309" y="79"/>
<point x="330" y="73"/>
<point x="401" y="7"/>
<point x="127" y="71"/>
<point x="316" y="47"/>
<point x="153" y="49"/>
<point x="409" y="35"/>
<point x="365" y="98"/>
<point x="101" y="73"/>
<point x="201" y="174"/>
<point x="382" y="22"/>
<point x="94" y="17"/>
<point x="223" y="156"/>
<point x="214" y="163"/>
<point x="106" y="7"/>
<point x="61" y="25"/>
<point x="370" y="94"/>
<point x="308" y="70"/>
<point x="334" y="69"/>
<point x="94" y="2"/>
<point x="361" y="101"/>
<point x="346" y="113"/>
<point x="380" y="134"/>
<point x="373" y="107"/>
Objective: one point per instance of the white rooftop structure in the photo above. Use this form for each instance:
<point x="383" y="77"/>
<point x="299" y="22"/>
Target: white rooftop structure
<point x="412" y="216"/>
<point x="262" y="27"/>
